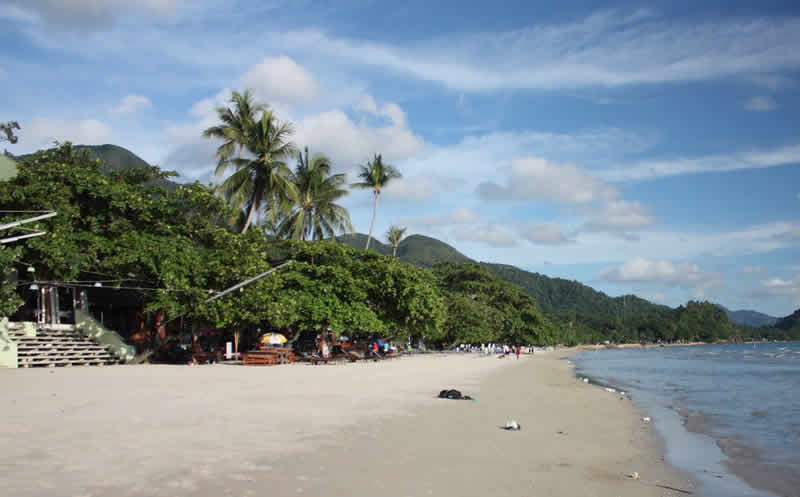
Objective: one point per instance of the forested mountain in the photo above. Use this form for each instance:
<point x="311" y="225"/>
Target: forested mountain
<point x="567" y="298"/>
<point x="419" y="250"/>
<point x="790" y="322"/>
<point x="750" y="318"/>
<point x="114" y="158"/>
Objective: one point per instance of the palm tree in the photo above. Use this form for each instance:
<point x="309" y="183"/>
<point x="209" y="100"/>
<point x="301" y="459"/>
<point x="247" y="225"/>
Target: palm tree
<point x="375" y="175"/>
<point x="261" y="181"/>
<point x="236" y="124"/>
<point x="393" y="236"/>
<point x="313" y="211"/>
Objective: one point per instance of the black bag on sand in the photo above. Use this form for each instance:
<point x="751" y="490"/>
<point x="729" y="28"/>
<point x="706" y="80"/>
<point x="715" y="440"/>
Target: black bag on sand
<point x="453" y="395"/>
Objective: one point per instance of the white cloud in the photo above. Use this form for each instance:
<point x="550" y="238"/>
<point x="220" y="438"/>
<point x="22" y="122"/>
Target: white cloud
<point x="760" y="104"/>
<point x="605" y="49"/>
<point x="757" y="159"/>
<point x="537" y="178"/>
<point x="437" y="222"/>
<point x="281" y="79"/>
<point x="349" y="143"/>
<point x="420" y="188"/>
<point x="790" y="235"/>
<point x="488" y="234"/>
<point x="778" y="287"/>
<point x="781" y="287"/>
<point x="41" y="132"/>
<point x="683" y="275"/>
<point x="619" y="216"/>
<point x="462" y="224"/>
<point x="94" y="14"/>
<point x="544" y="234"/>
<point x="132" y="103"/>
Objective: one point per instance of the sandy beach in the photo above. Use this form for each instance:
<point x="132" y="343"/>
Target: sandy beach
<point x="351" y="429"/>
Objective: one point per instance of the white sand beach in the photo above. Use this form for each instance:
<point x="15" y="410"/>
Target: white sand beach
<point x="368" y="429"/>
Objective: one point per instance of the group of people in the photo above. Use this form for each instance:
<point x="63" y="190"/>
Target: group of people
<point x="503" y="350"/>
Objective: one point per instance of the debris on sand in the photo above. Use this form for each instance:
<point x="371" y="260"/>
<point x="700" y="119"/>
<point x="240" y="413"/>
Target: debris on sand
<point x="453" y="394"/>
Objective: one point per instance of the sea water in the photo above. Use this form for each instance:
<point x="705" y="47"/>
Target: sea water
<point x="729" y="414"/>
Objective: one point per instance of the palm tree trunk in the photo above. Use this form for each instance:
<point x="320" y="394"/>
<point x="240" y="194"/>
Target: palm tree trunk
<point x="374" y="214"/>
<point x="394" y="251"/>
<point x="249" y="215"/>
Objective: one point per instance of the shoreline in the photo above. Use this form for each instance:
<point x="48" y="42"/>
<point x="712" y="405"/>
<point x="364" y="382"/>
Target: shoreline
<point x="360" y="429"/>
<point x="740" y="464"/>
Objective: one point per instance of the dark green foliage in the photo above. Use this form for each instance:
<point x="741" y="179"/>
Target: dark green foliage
<point x="483" y="308"/>
<point x="786" y="328"/>
<point x="560" y="296"/>
<point x="10" y="300"/>
<point x="790" y="322"/>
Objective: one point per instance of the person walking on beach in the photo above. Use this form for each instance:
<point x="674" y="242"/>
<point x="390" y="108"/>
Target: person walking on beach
<point x="519" y="351"/>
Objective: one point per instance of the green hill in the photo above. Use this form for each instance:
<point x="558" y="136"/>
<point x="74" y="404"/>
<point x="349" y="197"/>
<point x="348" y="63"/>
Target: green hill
<point x="359" y="241"/>
<point x="116" y="158"/>
<point x="572" y="299"/>
<point x="790" y="322"/>
<point x="750" y="318"/>
<point x="564" y="299"/>
<point x="419" y="250"/>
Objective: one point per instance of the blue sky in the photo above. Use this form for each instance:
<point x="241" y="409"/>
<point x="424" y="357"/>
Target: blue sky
<point x="650" y="148"/>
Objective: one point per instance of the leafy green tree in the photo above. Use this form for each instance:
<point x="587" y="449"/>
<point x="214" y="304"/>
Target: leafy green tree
<point x="375" y="175"/>
<point x="7" y="132"/>
<point x="394" y="235"/>
<point x="10" y="300"/>
<point x="483" y="308"/>
<point x="313" y="211"/>
<point x="116" y="223"/>
<point x="261" y="180"/>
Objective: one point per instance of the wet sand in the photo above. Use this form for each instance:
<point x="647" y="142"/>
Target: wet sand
<point x="353" y="429"/>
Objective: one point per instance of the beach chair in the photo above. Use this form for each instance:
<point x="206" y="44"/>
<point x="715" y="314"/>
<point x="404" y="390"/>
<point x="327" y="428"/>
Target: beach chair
<point x="357" y="355"/>
<point x="314" y="359"/>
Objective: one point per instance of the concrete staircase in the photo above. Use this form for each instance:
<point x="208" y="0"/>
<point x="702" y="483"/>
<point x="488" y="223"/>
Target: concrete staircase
<point x="59" y="345"/>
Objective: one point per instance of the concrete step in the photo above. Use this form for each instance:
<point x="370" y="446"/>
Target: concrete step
<point x="43" y="352"/>
<point x="48" y="343"/>
<point x="56" y="352"/>
<point x="65" y="363"/>
<point x="60" y="346"/>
